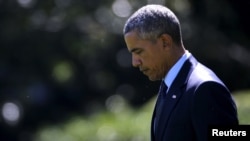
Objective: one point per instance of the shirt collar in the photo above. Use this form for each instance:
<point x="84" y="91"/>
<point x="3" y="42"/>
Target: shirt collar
<point x="169" y="78"/>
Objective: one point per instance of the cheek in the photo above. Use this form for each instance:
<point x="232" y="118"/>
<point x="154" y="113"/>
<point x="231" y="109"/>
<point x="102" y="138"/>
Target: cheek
<point x="159" y="68"/>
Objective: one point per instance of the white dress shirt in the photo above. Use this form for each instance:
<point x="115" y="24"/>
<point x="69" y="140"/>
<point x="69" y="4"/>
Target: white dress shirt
<point x="169" y="78"/>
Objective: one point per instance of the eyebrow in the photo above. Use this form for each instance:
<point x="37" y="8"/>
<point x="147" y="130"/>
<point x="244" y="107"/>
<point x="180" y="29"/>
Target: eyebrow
<point x="133" y="50"/>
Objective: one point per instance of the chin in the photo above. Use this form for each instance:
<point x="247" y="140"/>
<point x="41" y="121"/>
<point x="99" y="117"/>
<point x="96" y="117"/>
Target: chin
<point x="153" y="78"/>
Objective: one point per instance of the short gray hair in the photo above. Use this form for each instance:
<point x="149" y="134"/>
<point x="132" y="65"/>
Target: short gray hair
<point x="152" y="20"/>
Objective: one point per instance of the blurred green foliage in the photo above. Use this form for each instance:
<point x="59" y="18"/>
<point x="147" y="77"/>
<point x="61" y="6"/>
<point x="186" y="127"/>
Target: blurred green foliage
<point x="242" y="99"/>
<point x="125" y="124"/>
<point x="119" y="122"/>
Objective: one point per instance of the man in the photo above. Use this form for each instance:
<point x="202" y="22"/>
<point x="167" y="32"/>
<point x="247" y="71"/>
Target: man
<point x="195" y="98"/>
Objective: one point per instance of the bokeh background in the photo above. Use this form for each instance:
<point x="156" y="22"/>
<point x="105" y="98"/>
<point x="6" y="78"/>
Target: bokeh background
<point x="66" y="74"/>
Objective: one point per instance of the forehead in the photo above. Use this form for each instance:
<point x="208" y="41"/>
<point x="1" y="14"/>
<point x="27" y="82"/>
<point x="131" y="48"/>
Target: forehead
<point x="133" y="41"/>
<point x="132" y="36"/>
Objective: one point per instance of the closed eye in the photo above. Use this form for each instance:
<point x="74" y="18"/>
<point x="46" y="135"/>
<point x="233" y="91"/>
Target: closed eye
<point x="136" y="51"/>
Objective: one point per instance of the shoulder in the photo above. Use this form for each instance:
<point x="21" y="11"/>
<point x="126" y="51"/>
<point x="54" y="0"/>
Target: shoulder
<point x="202" y="74"/>
<point x="203" y="79"/>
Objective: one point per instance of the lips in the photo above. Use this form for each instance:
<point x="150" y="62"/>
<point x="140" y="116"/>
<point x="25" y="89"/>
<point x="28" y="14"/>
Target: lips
<point x="144" y="70"/>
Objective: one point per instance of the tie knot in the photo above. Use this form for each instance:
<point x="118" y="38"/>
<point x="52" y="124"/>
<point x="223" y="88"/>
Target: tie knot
<point x="163" y="88"/>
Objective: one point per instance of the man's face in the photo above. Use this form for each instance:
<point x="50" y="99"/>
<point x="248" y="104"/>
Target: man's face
<point x="150" y="57"/>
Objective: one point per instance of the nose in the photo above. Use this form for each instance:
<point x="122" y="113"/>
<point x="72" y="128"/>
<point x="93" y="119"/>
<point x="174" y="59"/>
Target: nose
<point x="136" y="61"/>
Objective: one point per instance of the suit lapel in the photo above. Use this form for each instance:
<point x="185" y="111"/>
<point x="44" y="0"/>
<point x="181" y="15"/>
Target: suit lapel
<point x="173" y="96"/>
<point x="153" y="126"/>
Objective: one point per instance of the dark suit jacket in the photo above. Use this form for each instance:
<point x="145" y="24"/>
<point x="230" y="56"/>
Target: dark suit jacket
<point x="196" y="99"/>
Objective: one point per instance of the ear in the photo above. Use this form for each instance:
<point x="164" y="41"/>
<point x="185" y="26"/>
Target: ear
<point x="166" y="40"/>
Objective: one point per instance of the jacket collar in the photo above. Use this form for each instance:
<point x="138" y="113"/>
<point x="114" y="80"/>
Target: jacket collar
<point x="174" y="94"/>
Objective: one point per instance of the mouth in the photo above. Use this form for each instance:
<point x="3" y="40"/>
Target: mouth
<point x="144" y="71"/>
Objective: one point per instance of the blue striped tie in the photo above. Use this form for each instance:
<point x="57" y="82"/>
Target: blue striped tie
<point x="160" y="102"/>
